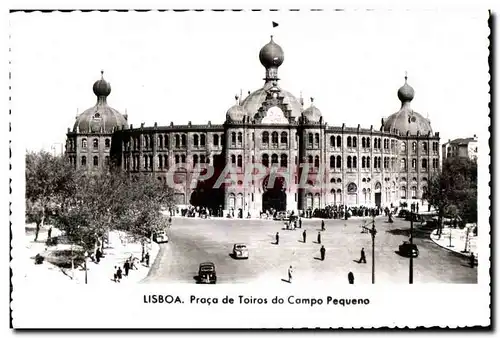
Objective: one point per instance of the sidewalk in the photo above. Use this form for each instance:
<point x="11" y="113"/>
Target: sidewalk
<point x="458" y="238"/>
<point x="119" y="248"/>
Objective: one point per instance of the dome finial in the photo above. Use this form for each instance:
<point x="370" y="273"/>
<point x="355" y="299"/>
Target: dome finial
<point x="312" y="100"/>
<point x="102" y="74"/>
<point x="406" y="76"/>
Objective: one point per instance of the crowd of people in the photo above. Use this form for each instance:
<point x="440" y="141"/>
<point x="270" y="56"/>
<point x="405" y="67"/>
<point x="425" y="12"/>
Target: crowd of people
<point x="130" y="264"/>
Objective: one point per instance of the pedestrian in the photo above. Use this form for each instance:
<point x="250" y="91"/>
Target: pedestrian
<point x="119" y="274"/>
<point x="472" y="260"/>
<point x="98" y="255"/>
<point x="322" y="225"/>
<point x="319" y="237"/>
<point x="147" y="259"/>
<point x="290" y="271"/>
<point x="300" y="223"/>
<point x="350" y="277"/>
<point x="126" y="267"/>
<point x="277" y="238"/>
<point x="115" y="276"/>
<point x="322" y="252"/>
<point x="362" y="259"/>
<point x="49" y="234"/>
<point x="304" y="236"/>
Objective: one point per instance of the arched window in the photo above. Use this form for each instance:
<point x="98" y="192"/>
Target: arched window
<point x="316" y="139"/>
<point x="403" y="164"/>
<point x="403" y="192"/>
<point x="363" y="142"/>
<point x="332" y="180"/>
<point x="160" y="141"/>
<point x="84" y="143"/>
<point x="202" y="158"/>
<point x="106" y="161"/>
<point x="284" y="138"/>
<point x="165" y="161"/>
<point x="195" y="160"/>
<point x="177" y="141"/>
<point x="216" y="140"/>
<point x="265" y="160"/>
<point x="145" y="161"/>
<point x="96" y="161"/>
<point x="424" y="147"/>
<point x="95" y="143"/>
<point x="363" y="162"/>
<point x="233" y="138"/>
<point x="233" y="159"/>
<point x="332" y="141"/>
<point x="332" y="161"/>
<point x="349" y="162"/>
<point x="107" y="143"/>
<point x="413" y="192"/>
<point x="368" y="161"/>
<point x="354" y="162"/>
<point x="352" y="188"/>
<point x="310" y="159"/>
<point x="183" y="140"/>
<point x="414" y="146"/>
<point x="363" y="180"/>
<point x="339" y="162"/>
<point x="310" y="139"/>
<point x="177" y="159"/>
<point x="240" y="161"/>
<point x="368" y="145"/>
<point x="403" y="147"/>
<point x="375" y="163"/>
<point x="183" y="158"/>
<point x="265" y="137"/>
<point x="339" y="141"/>
<point x="414" y="164"/>
<point x="84" y="161"/>
<point x="284" y="161"/>
<point x="160" y="161"/>
<point x="195" y="140"/>
<point x="274" y="138"/>
<point x="349" y="141"/>
<point x="339" y="180"/>
<point x="202" y="140"/>
<point x="354" y="142"/>
<point x="316" y="161"/>
<point x="240" y="138"/>
<point x="146" y="141"/>
<point x="274" y="159"/>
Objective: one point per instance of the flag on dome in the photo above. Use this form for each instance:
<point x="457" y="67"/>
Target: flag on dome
<point x="275" y="24"/>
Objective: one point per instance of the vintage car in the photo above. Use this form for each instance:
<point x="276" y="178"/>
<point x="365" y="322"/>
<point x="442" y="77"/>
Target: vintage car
<point x="160" y="237"/>
<point x="281" y="216"/>
<point x="240" y="251"/>
<point x="408" y="249"/>
<point x="207" y="274"/>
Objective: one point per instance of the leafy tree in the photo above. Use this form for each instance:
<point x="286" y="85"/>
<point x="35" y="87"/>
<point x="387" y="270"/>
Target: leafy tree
<point x="47" y="179"/>
<point x="453" y="192"/>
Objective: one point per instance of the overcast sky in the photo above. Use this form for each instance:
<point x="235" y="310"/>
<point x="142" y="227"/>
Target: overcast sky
<point x="184" y="67"/>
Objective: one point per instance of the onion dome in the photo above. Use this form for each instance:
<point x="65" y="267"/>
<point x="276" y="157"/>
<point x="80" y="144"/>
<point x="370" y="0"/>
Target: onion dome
<point x="236" y="113"/>
<point x="271" y="55"/>
<point x="406" y="120"/>
<point x="100" y="118"/>
<point x="312" y="114"/>
<point x="252" y="103"/>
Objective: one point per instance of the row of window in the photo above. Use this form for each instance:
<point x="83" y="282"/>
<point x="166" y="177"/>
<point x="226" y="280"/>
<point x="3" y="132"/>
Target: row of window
<point x="95" y="143"/>
<point x="83" y="161"/>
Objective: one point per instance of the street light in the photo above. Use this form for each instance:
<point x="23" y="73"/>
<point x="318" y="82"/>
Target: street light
<point x="372" y="232"/>
<point x="411" y="243"/>
<point x="86" y="254"/>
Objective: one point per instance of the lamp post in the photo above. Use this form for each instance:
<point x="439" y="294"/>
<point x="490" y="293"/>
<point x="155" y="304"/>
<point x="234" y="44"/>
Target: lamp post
<point x="372" y="232"/>
<point x="86" y="254"/>
<point x="411" y="244"/>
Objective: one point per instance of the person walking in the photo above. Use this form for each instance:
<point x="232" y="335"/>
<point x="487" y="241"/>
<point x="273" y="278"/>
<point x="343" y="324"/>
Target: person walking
<point x="119" y="274"/>
<point x="49" y="234"/>
<point x="319" y="237"/>
<point x="350" y="277"/>
<point x="322" y="225"/>
<point x="300" y="223"/>
<point x="290" y="271"/>
<point x="115" y="276"/>
<point x="277" y="238"/>
<point x="472" y="260"/>
<point x="304" y="236"/>
<point x="98" y="255"/>
<point x="322" y="252"/>
<point x="126" y="267"/>
<point x="147" y="259"/>
<point x="362" y="259"/>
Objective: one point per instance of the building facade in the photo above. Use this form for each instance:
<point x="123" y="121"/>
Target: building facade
<point x="460" y="147"/>
<point x="311" y="163"/>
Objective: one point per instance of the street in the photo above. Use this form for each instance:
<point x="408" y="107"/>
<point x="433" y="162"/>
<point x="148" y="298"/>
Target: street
<point x="194" y="240"/>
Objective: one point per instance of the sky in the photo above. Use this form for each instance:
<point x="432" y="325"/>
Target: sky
<point x="188" y="66"/>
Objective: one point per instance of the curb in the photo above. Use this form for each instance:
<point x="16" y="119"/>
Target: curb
<point x="433" y="233"/>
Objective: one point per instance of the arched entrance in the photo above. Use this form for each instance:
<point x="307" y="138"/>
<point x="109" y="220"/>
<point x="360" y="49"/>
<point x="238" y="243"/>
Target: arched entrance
<point x="274" y="196"/>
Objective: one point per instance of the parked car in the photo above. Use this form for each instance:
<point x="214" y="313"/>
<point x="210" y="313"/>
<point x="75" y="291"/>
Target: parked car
<point x="408" y="249"/>
<point x="281" y="216"/>
<point x="160" y="237"/>
<point x="207" y="274"/>
<point x="240" y="251"/>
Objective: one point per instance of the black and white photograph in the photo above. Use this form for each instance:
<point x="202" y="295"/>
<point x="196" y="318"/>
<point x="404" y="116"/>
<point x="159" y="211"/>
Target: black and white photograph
<point x="250" y="169"/>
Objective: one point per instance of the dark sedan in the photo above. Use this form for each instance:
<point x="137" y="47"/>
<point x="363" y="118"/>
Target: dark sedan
<point x="408" y="249"/>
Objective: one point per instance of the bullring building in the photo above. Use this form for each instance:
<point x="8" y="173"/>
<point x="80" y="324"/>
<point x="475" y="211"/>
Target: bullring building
<point x="270" y="126"/>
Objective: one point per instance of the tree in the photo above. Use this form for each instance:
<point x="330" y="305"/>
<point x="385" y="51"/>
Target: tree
<point x="47" y="179"/>
<point x="453" y="192"/>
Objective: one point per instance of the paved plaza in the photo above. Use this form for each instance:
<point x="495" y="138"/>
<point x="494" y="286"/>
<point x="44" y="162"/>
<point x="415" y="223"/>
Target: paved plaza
<point x="194" y="240"/>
